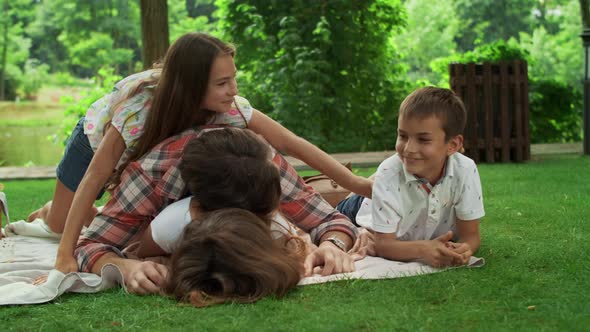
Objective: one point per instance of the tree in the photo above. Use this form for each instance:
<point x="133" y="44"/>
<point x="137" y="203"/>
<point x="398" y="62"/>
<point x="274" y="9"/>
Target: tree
<point x="327" y="69"/>
<point x="585" y="11"/>
<point x="502" y="19"/>
<point x="429" y="34"/>
<point x="154" y="31"/>
<point x="14" y="45"/>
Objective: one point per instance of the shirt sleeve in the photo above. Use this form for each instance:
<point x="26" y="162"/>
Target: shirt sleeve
<point x="168" y="226"/>
<point x="137" y="200"/>
<point x="304" y="207"/>
<point x="129" y="117"/>
<point x="470" y="203"/>
<point x="385" y="206"/>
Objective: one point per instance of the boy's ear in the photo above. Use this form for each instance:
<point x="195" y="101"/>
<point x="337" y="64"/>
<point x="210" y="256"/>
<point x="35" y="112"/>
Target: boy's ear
<point x="455" y="144"/>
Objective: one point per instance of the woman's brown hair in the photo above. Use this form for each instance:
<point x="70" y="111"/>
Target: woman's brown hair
<point x="230" y="256"/>
<point x="182" y="85"/>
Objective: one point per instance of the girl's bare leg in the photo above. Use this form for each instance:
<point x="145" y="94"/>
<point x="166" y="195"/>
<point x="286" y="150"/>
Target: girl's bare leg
<point x="57" y="210"/>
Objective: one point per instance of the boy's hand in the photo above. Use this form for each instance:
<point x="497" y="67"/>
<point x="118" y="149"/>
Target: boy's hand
<point x="463" y="249"/>
<point x="437" y="254"/>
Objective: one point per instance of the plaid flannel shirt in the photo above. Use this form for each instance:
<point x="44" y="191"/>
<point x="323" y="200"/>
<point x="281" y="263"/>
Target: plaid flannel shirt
<point x="153" y="182"/>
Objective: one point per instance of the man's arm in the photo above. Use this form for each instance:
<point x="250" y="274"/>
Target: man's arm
<point x="304" y="207"/>
<point x="139" y="277"/>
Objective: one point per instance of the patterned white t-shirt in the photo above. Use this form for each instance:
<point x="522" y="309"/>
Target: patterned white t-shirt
<point x="128" y="116"/>
<point x="402" y="203"/>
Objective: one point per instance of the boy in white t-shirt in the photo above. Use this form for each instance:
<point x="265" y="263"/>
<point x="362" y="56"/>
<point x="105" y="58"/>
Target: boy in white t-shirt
<point x="427" y="198"/>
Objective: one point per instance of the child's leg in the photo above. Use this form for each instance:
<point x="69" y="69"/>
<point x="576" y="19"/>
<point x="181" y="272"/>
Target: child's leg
<point x="70" y="171"/>
<point x="350" y="207"/>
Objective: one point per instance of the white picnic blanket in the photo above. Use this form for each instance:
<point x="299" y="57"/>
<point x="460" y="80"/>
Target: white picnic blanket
<point x="24" y="258"/>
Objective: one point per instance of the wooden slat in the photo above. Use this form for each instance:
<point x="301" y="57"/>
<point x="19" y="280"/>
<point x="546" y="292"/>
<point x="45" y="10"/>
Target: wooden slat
<point x="517" y="112"/>
<point x="472" y="120"/>
<point x="504" y="118"/>
<point x="488" y="111"/>
<point x="525" y="116"/>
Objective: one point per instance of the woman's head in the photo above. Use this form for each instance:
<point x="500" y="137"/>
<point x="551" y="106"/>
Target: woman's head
<point x="231" y="168"/>
<point x="230" y="256"/>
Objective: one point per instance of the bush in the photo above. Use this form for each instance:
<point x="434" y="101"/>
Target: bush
<point x="554" y="106"/>
<point x="104" y="82"/>
<point x="555" y="112"/>
<point x="326" y="70"/>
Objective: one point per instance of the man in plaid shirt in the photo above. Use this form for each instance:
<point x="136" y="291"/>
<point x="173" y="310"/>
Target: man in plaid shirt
<point x="151" y="183"/>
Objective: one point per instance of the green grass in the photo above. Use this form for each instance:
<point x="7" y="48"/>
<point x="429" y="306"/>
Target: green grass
<point x="534" y="242"/>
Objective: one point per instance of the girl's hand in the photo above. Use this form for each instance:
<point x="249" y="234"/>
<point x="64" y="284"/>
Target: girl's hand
<point x="66" y="263"/>
<point x="361" y="185"/>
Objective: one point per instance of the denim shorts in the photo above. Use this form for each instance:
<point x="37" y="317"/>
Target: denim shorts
<point x="77" y="156"/>
<point x="350" y="206"/>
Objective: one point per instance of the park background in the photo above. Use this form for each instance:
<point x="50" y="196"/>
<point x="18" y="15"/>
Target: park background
<point x="333" y="72"/>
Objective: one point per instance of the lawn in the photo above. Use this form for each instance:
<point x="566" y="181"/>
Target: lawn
<point x="536" y="277"/>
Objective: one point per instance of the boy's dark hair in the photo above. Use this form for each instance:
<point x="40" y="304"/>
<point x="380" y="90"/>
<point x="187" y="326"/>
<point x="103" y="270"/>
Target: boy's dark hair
<point x="231" y="168"/>
<point x="442" y="103"/>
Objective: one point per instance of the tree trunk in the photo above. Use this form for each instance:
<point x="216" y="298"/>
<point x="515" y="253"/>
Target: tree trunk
<point x="154" y="31"/>
<point x="4" y="59"/>
<point x="585" y="9"/>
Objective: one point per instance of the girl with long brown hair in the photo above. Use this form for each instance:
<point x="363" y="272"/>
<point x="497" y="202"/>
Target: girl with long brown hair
<point x="195" y="86"/>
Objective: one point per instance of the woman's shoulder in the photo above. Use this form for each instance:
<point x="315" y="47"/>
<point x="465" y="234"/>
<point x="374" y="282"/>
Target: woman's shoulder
<point x="131" y="80"/>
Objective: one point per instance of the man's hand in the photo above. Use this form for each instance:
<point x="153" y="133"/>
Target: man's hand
<point x="144" y="277"/>
<point x="437" y="254"/>
<point x="462" y="249"/>
<point x="332" y="258"/>
<point x="364" y="245"/>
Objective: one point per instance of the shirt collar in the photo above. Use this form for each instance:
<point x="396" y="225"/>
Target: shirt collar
<point x="448" y="170"/>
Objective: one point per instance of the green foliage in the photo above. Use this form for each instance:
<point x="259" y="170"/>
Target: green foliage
<point x="327" y="69"/>
<point x="557" y="55"/>
<point x="545" y="266"/>
<point x="495" y="52"/>
<point x="555" y="112"/>
<point x="105" y="81"/>
<point x="429" y="34"/>
<point x="34" y="76"/>
<point x="485" y="21"/>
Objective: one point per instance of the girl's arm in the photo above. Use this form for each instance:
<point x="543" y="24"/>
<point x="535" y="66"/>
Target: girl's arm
<point x="101" y="167"/>
<point x="285" y="141"/>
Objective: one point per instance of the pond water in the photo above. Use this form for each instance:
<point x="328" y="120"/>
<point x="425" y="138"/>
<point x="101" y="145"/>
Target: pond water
<point x="22" y="145"/>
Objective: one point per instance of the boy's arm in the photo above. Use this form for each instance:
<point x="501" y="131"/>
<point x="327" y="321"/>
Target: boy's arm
<point x="433" y="252"/>
<point x="286" y="141"/>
